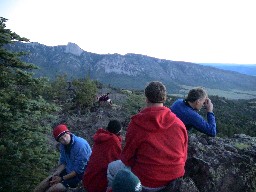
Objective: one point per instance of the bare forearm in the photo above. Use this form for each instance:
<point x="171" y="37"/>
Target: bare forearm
<point x="69" y="176"/>
<point x="59" y="169"/>
<point x="58" y="179"/>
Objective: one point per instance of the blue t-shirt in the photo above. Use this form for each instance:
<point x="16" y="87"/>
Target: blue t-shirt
<point x="192" y="119"/>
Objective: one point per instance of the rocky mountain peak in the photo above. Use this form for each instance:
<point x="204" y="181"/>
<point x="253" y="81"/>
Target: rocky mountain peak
<point x="74" y="49"/>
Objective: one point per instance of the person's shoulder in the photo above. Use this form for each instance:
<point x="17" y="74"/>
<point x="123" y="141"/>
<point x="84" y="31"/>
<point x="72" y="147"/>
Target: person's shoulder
<point x="79" y="139"/>
<point x="179" y="100"/>
<point x="116" y="138"/>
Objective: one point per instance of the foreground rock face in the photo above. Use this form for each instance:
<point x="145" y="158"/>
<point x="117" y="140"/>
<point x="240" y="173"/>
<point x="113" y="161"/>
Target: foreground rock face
<point x="218" y="165"/>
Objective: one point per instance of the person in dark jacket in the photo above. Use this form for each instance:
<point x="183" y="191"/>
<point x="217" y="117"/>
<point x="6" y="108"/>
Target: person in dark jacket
<point x="106" y="148"/>
<point x="156" y="143"/>
<point x="74" y="155"/>
<point x="187" y="110"/>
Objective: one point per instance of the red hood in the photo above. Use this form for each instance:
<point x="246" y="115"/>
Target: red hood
<point x="103" y="135"/>
<point x="154" y="118"/>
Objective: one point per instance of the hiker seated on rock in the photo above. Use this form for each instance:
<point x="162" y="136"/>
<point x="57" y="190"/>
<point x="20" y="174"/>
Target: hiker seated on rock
<point x="106" y="148"/>
<point x="104" y="98"/>
<point x="74" y="155"/>
<point x="156" y="144"/>
<point x="187" y="110"/>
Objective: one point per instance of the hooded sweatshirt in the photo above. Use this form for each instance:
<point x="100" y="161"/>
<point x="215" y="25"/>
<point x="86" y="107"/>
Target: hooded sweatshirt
<point x="156" y="146"/>
<point x="106" y="148"/>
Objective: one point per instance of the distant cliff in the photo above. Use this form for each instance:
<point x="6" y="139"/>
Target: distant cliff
<point x="130" y="71"/>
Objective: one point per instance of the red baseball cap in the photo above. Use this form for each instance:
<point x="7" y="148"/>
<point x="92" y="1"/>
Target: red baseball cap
<point x="59" y="130"/>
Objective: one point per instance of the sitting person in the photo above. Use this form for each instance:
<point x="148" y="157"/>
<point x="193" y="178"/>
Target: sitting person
<point x="74" y="155"/>
<point x="187" y="110"/>
<point x="106" y="148"/>
<point x="104" y="98"/>
<point x="126" y="181"/>
<point x="156" y="144"/>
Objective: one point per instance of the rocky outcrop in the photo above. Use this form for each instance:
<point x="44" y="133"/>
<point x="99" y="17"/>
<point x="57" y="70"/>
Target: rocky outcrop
<point x="214" y="164"/>
<point x="220" y="164"/>
<point x="74" y="49"/>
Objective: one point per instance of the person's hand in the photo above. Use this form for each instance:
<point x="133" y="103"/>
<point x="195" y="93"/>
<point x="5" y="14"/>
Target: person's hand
<point x="55" y="180"/>
<point x="208" y="105"/>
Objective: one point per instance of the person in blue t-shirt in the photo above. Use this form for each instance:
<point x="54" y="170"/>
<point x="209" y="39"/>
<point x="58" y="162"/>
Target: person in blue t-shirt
<point x="187" y="110"/>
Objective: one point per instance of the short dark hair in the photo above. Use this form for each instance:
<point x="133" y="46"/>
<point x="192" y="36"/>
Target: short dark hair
<point x="155" y="92"/>
<point x="195" y="94"/>
<point x="114" y="126"/>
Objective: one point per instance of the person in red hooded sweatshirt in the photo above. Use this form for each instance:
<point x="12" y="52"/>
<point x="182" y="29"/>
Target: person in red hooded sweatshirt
<point x="106" y="148"/>
<point x="155" y="145"/>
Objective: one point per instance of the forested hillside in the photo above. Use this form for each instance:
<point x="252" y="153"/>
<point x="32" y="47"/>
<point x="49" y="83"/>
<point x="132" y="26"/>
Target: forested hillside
<point x="30" y="106"/>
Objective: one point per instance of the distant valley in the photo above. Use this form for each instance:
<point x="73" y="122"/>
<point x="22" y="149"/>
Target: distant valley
<point x="244" y="69"/>
<point x="133" y="71"/>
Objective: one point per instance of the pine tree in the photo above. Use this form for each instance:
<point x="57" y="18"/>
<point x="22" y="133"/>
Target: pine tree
<point x="25" y="155"/>
<point x="86" y="90"/>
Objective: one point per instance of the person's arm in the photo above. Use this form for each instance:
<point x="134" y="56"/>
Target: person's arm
<point x="210" y="116"/>
<point x="59" y="169"/>
<point x="58" y="179"/>
<point x="56" y="175"/>
<point x="81" y="153"/>
<point x="69" y="176"/>
<point x="199" y="123"/>
<point x="114" y="148"/>
<point x="131" y="143"/>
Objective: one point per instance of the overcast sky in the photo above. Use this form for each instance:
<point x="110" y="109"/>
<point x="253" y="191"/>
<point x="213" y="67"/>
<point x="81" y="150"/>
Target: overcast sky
<point x="200" y="31"/>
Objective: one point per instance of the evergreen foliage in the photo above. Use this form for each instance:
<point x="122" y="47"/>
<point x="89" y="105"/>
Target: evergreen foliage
<point x="25" y="156"/>
<point x="77" y="94"/>
<point x="134" y="103"/>
<point x="86" y="91"/>
<point x="58" y="89"/>
<point x="234" y="116"/>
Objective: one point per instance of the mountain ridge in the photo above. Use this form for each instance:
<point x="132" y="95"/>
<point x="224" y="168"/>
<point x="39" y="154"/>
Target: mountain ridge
<point x="131" y="71"/>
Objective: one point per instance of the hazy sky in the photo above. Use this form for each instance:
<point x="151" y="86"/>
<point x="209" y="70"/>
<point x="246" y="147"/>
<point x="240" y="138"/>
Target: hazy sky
<point x="200" y="31"/>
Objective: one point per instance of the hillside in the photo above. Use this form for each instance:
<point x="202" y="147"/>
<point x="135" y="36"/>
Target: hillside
<point x="132" y="71"/>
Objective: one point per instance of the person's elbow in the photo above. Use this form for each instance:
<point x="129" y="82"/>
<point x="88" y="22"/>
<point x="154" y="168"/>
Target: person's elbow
<point x="213" y="133"/>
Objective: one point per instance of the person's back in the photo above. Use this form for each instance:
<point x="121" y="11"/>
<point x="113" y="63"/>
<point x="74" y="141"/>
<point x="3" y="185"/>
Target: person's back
<point x="156" y="142"/>
<point x="106" y="148"/>
<point x="187" y="110"/>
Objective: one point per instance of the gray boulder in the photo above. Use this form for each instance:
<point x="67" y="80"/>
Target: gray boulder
<point x="220" y="164"/>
